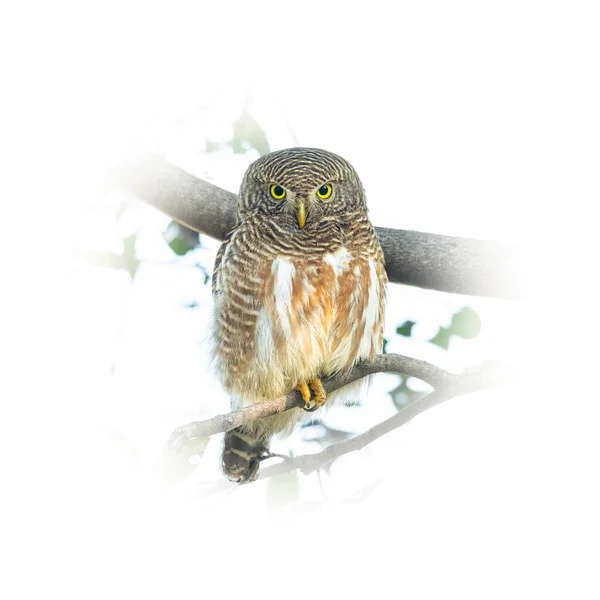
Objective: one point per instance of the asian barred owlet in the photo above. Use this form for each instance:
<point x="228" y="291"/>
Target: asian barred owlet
<point x="299" y="288"/>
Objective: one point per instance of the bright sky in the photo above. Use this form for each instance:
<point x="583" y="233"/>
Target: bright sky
<point x="463" y="118"/>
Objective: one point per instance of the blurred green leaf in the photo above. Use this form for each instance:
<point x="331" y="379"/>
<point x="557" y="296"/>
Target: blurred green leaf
<point x="441" y="338"/>
<point x="237" y="146"/>
<point x="385" y="343"/>
<point x="248" y="134"/>
<point x="205" y="272"/>
<point x="179" y="246"/>
<point x="130" y="259"/>
<point x="181" y="239"/>
<point x="127" y="260"/>
<point x="466" y="323"/>
<point x="405" y="329"/>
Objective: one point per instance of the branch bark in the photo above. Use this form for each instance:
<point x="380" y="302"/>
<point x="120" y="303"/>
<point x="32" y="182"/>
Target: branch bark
<point x="449" y="386"/>
<point x="439" y="262"/>
<point x="460" y="384"/>
<point x="190" y="439"/>
<point x="384" y="363"/>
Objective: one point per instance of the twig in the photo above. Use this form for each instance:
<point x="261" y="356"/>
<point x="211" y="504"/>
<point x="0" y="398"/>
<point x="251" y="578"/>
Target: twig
<point x="469" y="382"/>
<point x="486" y="377"/>
<point x="384" y="363"/>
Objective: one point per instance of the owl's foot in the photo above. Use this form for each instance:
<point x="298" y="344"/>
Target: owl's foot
<point x="319" y="394"/>
<point x="305" y="391"/>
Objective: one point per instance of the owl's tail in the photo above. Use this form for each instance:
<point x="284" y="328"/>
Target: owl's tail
<point x="242" y="450"/>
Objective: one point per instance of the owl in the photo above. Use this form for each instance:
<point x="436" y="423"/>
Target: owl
<point x="299" y="291"/>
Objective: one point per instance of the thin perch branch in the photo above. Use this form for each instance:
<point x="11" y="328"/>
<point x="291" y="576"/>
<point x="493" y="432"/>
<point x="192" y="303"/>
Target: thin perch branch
<point x="488" y="376"/>
<point x="439" y="262"/>
<point x="461" y="384"/>
<point x="383" y="363"/>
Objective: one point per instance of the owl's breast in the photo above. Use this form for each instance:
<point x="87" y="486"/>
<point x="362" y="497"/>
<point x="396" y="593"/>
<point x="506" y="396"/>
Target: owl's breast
<point x="298" y="318"/>
<point x="321" y="314"/>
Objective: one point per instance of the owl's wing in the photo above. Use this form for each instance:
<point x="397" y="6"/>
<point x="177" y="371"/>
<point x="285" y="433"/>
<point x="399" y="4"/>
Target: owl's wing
<point x="216" y="287"/>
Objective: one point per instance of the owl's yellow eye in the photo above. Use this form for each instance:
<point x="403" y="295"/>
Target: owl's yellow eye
<point x="325" y="191"/>
<point x="277" y="192"/>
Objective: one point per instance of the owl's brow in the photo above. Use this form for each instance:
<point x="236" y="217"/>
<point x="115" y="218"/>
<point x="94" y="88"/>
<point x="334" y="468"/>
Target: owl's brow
<point x="282" y="182"/>
<point x="290" y="165"/>
<point x="292" y="177"/>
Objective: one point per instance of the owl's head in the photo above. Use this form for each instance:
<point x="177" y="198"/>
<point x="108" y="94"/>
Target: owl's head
<point x="300" y="187"/>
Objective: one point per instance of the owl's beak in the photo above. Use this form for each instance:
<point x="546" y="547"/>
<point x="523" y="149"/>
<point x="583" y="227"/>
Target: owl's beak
<point x="301" y="214"/>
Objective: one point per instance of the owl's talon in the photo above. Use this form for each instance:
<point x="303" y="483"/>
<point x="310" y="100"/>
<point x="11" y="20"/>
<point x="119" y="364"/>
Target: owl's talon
<point x="319" y="394"/>
<point x="305" y="391"/>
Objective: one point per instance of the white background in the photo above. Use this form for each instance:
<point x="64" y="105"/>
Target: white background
<point x="465" y="118"/>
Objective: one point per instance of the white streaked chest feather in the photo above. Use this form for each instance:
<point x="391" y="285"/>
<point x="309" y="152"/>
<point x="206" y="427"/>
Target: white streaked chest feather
<point x="323" y="316"/>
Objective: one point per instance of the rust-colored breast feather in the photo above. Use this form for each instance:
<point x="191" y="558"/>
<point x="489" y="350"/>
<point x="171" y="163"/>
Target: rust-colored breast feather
<point x="284" y="319"/>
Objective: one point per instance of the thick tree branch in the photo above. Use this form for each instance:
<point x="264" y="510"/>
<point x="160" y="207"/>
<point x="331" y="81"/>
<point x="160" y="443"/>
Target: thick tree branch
<point x="384" y="363"/>
<point x="440" y="262"/>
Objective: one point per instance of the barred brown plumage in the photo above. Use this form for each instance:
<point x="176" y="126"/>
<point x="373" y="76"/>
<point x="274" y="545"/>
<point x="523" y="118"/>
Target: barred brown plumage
<point x="296" y="298"/>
